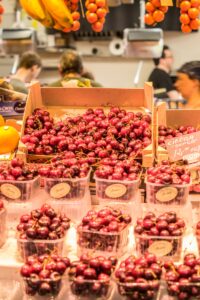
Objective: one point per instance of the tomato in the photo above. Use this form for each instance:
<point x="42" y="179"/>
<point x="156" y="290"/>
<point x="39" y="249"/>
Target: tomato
<point x="92" y="7"/>
<point x="101" y="12"/>
<point x="102" y="20"/>
<point x="156" y="3"/>
<point x="195" y="3"/>
<point x="101" y="3"/>
<point x="75" y="26"/>
<point x="185" y="5"/>
<point x="186" y="28"/>
<point x="91" y="17"/>
<point x="194" y="24"/>
<point x="158" y="15"/>
<point x="74" y="1"/>
<point x="149" y="7"/>
<point x="149" y="20"/>
<point x="74" y="7"/>
<point x="193" y="13"/>
<point x="164" y="9"/>
<point x="75" y="15"/>
<point x="184" y="19"/>
<point x="97" y="26"/>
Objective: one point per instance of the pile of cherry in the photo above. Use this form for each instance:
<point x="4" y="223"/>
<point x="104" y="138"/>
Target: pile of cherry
<point x="117" y="134"/>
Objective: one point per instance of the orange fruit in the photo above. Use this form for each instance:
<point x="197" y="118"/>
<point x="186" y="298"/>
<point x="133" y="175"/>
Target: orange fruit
<point x="158" y="15"/>
<point x="195" y="3"/>
<point x="2" y="122"/>
<point x="164" y="9"/>
<point x="185" y="5"/>
<point x="149" y="7"/>
<point x="148" y="19"/>
<point x="194" y="24"/>
<point x="9" y="138"/>
<point x="156" y="3"/>
<point x="184" y="19"/>
<point x="193" y="13"/>
<point x="186" y="28"/>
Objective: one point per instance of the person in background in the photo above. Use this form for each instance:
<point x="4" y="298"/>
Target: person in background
<point x="160" y="75"/>
<point x="29" y="68"/>
<point x="71" y="69"/>
<point x="188" y="83"/>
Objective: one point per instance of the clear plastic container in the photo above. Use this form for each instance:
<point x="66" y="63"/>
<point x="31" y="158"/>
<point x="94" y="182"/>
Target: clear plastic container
<point x="29" y="247"/>
<point x="167" y="194"/>
<point x="140" y="291"/>
<point x="42" y="288"/>
<point x="116" y="189"/>
<point x="19" y="190"/>
<point x="110" y="243"/>
<point x="3" y="229"/>
<point x="91" y="289"/>
<point x="66" y="189"/>
<point x="164" y="247"/>
<point x="175" y="289"/>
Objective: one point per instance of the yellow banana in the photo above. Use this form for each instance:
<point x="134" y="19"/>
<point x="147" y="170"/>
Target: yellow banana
<point x="37" y="11"/>
<point x="59" y="12"/>
<point x="33" y="8"/>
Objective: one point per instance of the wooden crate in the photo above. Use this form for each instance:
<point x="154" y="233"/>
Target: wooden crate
<point x="72" y="101"/>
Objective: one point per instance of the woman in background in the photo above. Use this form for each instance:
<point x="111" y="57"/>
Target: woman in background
<point x="188" y="84"/>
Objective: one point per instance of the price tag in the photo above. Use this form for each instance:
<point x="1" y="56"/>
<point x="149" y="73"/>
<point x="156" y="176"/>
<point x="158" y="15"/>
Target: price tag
<point x="60" y="190"/>
<point x="10" y="191"/>
<point x="167" y="194"/>
<point x="116" y="190"/>
<point x="166" y="2"/>
<point x="184" y="147"/>
<point x="160" y="248"/>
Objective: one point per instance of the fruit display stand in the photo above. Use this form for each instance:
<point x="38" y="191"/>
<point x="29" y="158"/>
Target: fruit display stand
<point x="62" y="102"/>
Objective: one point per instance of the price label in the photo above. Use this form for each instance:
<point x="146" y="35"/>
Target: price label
<point x="167" y="194"/>
<point x="116" y="190"/>
<point x="166" y="2"/>
<point x="184" y="147"/>
<point x="10" y="191"/>
<point x="160" y="248"/>
<point x="60" y="190"/>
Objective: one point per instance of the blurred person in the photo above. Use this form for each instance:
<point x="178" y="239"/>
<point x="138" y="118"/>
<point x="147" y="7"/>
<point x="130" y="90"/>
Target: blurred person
<point x="29" y="68"/>
<point x="188" y="83"/>
<point x="160" y="75"/>
<point x="71" y="70"/>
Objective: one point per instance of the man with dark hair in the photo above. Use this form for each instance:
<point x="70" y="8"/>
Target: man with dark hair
<point x="160" y="75"/>
<point x="28" y="69"/>
<point x="71" y="68"/>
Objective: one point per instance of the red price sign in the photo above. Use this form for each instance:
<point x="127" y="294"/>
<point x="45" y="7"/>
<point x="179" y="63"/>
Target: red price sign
<point x="184" y="147"/>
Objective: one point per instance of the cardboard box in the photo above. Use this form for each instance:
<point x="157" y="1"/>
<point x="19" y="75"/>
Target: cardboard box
<point x="73" y="101"/>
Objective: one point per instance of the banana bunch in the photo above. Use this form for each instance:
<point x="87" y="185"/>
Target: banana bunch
<point x="51" y="13"/>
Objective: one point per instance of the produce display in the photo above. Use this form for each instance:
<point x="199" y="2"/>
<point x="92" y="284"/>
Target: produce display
<point x="90" y="277"/>
<point x="18" y="181"/>
<point x="41" y="231"/>
<point x="43" y="275"/>
<point x="119" y="133"/>
<point x="161" y="235"/>
<point x="189" y="13"/>
<point x="2" y="223"/>
<point x="104" y="230"/>
<point x="66" y="177"/>
<point x="167" y="184"/>
<point x="183" y="280"/>
<point x="138" y="278"/>
<point x="63" y="15"/>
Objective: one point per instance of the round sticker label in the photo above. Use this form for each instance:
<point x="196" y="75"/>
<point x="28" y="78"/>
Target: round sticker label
<point x="160" y="248"/>
<point x="10" y="191"/>
<point x="116" y="190"/>
<point x="166" y="194"/>
<point x="60" y="190"/>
